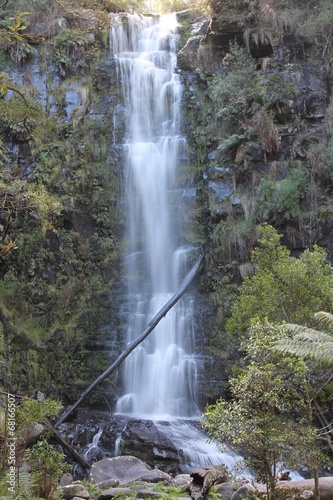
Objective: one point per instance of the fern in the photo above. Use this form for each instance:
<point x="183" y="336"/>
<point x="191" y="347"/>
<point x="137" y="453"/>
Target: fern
<point x="310" y="343"/>
<point x="231" y="142"/>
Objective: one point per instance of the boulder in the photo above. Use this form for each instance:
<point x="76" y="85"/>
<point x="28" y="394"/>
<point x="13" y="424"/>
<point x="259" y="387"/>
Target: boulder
<point x="303" y="485"/>
<point x="243" y="492"/>
<point x="109" y="483"/>
<point x="66" y="479"/>
<point x="226" y="490"/>
<point x="148" y="494"/>
<point x="74" y="490"/>
<point x="155" y="476"/>
<point x="113" y="492"/>
<point x="181" y="479"/>
<point x="124" y="468"/>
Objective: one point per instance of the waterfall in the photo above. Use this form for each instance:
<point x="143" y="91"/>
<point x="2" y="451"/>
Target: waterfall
<point x="160" y="375"/>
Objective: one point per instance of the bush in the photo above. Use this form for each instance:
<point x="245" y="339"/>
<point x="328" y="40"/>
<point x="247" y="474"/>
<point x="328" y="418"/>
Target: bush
<point x="47" y="467"/>
<point x="281" y="198"/>
<point x="231" y="92"/>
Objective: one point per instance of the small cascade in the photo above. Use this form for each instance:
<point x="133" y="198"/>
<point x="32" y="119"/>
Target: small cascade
<point x="92" y="448"/>
<point x="195" y="449"/>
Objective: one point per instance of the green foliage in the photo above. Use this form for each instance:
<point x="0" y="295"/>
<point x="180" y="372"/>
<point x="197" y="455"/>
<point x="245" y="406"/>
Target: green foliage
<point x="316" y="27"/>
<point x="31" y="412"/>
<point x="47" y="467"/>
<point x="231" y="92"/>
<point x="233" y="239"/>
<point x="267" y="417"/>
<point x="231" y="142"/>
<point x="283" y="287"/>
<point x="283" y="198"/>
<point x="170" y="491"/>
<point x="13" y="40"/>
<point x="19" y="117"/>
<point x="310" y="343"/>
<point x="165" y="6"/>
<point x="70" y="46"/>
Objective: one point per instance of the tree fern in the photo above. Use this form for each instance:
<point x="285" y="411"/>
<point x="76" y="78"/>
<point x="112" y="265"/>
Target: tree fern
<point x="310" y="343"/>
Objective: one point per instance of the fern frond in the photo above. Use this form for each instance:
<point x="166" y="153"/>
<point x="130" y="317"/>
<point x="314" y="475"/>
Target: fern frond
<point x="307" y="342"/>
<point x="324" y="319"/>
<point x="231" y="142"/>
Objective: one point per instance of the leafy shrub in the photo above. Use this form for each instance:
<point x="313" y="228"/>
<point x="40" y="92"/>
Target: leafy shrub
<point x="70" y="46"/>
<point x="231" y="92"/>
<point x="284" y="197"/>
<point x="47" y="467"/>
<point x="290" y="193"/>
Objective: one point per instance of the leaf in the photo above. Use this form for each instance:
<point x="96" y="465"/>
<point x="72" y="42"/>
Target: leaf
<point x="231" y="142"/>
<point x="3" y="89"/>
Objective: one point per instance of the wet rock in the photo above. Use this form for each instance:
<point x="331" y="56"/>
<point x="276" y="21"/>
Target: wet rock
<point x="221" y="190"/>
<point x="216" y="172"/>
<point x="188" y="56"/>
<point x="142" y="439"/>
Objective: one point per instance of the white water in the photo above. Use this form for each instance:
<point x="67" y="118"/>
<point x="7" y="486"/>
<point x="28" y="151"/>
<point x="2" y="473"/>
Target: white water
<point x="160" y="375"/>
<point x="94" y="444"/>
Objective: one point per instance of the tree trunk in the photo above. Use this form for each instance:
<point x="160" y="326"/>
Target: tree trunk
<point x="316" y="483"/>
<point x="140" y="338"/>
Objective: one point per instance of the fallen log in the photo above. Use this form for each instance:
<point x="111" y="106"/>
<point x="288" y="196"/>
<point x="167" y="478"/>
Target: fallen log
<point x="66" y="445"/>
<point x="140" y="338"/>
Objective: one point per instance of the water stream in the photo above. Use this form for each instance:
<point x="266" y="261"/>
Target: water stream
<point x="160" y="376"/>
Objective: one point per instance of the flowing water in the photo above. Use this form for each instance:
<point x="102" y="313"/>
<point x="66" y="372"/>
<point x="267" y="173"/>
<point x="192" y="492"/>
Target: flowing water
<point x="160" y="375"/>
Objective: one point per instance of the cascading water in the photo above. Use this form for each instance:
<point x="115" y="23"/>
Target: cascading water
<point x="160" y="374"/>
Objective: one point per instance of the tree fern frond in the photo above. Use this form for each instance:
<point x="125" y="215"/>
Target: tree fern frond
<point x="324" y="319"/>
<point x="308" y="342"/>
<point x="308" y="334"/>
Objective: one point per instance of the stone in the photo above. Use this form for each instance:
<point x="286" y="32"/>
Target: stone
<point x="243" y="491"/>
<point x="226" y="490"/>
<point x="221" y="190"/>
<point x="302" y="485"/>
<point x="155" y="476"/>
<point x="109" y="483"/>
<point x="74" y="490"/>
<point x="181" y="479"/>
<point x="124" y="468"/>
<point x="112" y="492"/>
<point x="148" y="494"/>
<point x="66" y="479"/>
